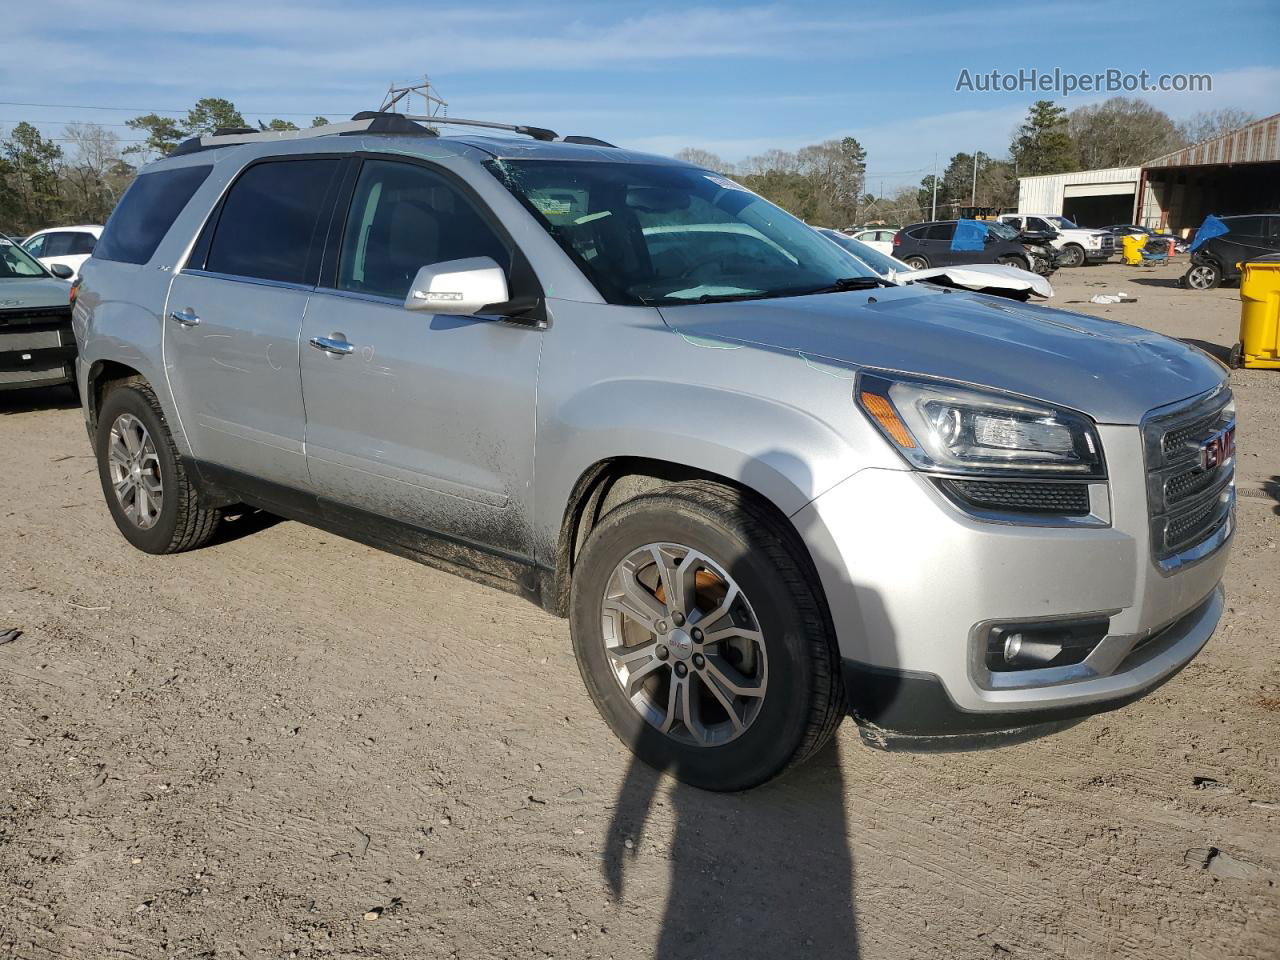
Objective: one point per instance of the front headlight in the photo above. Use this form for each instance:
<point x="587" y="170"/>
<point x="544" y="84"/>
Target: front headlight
<point x="944" y="428"/>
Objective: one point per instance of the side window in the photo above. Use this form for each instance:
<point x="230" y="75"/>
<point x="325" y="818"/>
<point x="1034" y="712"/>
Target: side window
<point x="940" y="231"/>
<point x="402" y="218"/>
<point x="59" y="244"/>
<point x="146" y="212"/>
<point x="82" y="244"/>
<point x="1015" y="222"/>
<point x="919" y="233"/>
<point x="1240" y="226"/>
<point x="36" y="247"/>
<point x="273" y="221"/>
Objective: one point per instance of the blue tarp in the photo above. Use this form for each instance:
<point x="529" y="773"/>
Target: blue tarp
<point x="1212" y="227"/>
<point x="970" y="236"/>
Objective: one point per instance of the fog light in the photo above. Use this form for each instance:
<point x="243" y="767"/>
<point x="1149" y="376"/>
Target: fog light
<point x="1032" y="646"/>
<point x="1021" y="652"/>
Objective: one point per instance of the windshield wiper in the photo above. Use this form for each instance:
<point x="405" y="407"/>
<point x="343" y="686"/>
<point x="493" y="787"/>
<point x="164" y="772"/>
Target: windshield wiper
<point x="855" y="283"/>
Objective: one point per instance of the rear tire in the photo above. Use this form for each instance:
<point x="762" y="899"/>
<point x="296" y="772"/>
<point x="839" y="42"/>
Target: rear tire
<point x="768" y="633"/>
<point x="1203" y="276"/>
<point x="917" y="263"/>
<point x="151" y="497"/>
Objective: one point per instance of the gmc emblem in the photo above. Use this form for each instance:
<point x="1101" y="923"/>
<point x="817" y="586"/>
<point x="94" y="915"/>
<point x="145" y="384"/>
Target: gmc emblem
<point x="1218" y="449"/>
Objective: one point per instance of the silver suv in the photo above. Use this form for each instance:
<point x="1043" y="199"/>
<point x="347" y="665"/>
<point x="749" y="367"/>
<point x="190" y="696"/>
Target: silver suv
<point x="765" y="486"/>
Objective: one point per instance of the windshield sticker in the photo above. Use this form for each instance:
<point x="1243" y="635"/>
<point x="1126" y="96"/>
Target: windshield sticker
<point x="725" y="183"/>
<point x="552" y="208"/>
<point x="593" y="216"/>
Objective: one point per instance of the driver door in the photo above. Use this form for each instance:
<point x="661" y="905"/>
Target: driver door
<point x="427" y="420"/>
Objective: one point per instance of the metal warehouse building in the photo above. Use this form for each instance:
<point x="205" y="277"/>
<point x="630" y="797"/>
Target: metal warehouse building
<point x="1092" y="198"/>
<point x="1238" y="172"/>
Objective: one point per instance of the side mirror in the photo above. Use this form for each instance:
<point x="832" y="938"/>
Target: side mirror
<point x="61" y="271"/>
<point x="458" y="287"/>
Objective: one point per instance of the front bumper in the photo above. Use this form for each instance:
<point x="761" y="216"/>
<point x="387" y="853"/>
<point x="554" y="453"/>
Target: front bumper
<point x="37" y="348"/>
<point x="912" y="579"/>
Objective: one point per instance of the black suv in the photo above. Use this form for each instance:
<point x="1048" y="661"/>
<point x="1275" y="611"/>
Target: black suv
<point x="924" y="245"/>
<point x="1217" y="260"/>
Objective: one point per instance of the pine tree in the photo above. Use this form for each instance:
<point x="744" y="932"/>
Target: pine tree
<point x="1043" y="142"/>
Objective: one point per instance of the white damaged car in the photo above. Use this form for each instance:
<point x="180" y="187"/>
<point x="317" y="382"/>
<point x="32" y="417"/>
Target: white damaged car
<point x="994" y="278"/>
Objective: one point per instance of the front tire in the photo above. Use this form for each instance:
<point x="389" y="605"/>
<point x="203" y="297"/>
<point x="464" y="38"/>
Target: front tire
<point x="1072" y="256"/>
<point x="702" y="637"/>
<point x="1013" y="260"/>
<point x="148" y="491"/>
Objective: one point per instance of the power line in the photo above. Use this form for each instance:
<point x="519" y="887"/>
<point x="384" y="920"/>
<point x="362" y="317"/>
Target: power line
<point x="89" y="106"/>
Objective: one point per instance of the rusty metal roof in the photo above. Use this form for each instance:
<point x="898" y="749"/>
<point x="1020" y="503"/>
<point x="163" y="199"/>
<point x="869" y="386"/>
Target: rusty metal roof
<point x="1257" y="142"/>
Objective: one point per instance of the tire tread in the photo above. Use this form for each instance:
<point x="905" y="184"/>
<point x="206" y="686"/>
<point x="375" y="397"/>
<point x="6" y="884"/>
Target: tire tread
<point x="758" y="525"/>
<point x="196" y="523"/>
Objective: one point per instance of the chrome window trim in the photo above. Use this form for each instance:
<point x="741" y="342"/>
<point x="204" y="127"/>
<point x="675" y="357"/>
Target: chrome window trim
<point x="256" y="281"/>
<point x="364" y="297"/>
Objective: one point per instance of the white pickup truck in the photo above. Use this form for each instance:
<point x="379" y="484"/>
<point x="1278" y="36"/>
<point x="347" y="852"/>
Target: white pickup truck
<point x="1077" y="245"/>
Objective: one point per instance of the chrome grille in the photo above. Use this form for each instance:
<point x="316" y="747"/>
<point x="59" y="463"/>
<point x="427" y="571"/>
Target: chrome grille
<point x="1190" y="474"/>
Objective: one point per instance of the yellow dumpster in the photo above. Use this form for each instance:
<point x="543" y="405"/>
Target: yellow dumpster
<point x="1259" y="344"/>
<point x="1132" y="245"/>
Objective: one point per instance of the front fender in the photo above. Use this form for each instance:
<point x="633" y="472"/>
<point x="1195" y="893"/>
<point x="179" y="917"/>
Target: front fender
<point x="775" y="422"/>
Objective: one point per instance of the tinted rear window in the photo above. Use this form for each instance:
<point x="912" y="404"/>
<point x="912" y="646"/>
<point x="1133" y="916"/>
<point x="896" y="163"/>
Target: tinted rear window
<point x="146" y="212"/>
<point x="271" y="226"/>
<point x="940" y="231"/>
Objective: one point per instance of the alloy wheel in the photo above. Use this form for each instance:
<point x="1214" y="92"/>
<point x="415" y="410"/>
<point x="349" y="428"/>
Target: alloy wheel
<point x="134" y="467"/>
<point x="684" y="644"/>
<point x="1200" y="277"/>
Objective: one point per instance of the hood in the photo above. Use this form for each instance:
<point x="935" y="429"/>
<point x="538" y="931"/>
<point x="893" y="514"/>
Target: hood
<point x="1114" y="372"/>
<point x="26" y="293"/>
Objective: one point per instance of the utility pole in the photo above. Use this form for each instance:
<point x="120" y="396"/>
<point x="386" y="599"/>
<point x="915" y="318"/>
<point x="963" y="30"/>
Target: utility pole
<point x="973" y="197"/>
<point x="933" y="214"/>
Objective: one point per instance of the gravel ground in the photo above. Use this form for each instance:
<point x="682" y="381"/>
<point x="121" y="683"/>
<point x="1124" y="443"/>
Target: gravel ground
<point x="290" y="745"/>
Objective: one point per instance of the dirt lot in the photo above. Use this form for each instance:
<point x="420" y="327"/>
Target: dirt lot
<point x="290" y="745"/>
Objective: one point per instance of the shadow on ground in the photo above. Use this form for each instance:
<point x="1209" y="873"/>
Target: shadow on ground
<point x="767" y="873"/>
<point x="38" y="398"/>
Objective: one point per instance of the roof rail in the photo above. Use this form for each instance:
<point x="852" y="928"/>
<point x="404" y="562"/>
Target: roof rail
<point x="589" y="141"/>
<point x="230" y="136"/>
<point x="367" y="121"/>
<point x="538" y="133"/>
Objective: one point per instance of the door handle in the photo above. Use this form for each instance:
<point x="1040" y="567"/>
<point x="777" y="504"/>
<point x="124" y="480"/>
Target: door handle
<point x="332" y="345"/>
<point x="187" y="317"/>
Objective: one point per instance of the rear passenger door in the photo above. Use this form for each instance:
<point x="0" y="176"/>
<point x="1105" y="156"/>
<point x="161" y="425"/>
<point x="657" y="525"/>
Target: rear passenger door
<point x="235" y="313"/>
<point x="937" y="243"/>
<point x="428" y="420"/>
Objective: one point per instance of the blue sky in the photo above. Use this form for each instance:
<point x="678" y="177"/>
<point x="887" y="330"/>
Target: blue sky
<point x="735" y="78"/>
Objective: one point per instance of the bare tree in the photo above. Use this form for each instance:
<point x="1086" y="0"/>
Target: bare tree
<point x="94" y="174"/>
<point x="1121" y="132"/>
<point x="1208" y="124"/>
<point x="704" y="158"/>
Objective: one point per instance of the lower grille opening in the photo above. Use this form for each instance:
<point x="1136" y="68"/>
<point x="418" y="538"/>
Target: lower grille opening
<point x="1061" y="499"/>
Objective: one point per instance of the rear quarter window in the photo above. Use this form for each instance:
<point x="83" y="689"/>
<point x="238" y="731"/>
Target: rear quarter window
<point x="146" y="212"/>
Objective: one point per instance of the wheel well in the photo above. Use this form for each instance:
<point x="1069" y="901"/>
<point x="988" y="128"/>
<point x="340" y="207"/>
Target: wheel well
<point x="604" y="486"/>
<point x="101" y="375"/>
